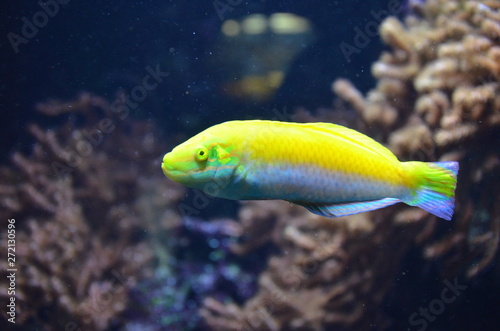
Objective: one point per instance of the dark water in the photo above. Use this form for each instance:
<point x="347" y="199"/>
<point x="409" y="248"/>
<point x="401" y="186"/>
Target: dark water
<point x="101" y="47"/>
<point x="187" y="76"/>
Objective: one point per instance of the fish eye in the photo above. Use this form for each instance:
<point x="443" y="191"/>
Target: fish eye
<point x="202" y="154"/>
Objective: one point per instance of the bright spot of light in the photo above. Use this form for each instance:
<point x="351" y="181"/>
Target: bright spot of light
<point x="286" y="23"/>
<point x="231" y="28"/>
<point x="254" y="24"/>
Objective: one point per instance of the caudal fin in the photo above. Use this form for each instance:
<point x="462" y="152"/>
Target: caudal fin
<point x="435" y="189"/>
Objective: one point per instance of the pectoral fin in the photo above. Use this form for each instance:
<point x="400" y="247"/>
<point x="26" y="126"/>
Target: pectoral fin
<point x="344" y="209"/>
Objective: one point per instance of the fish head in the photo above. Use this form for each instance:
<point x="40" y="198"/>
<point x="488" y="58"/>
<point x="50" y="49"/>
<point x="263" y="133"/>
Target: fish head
<point x="203" y="159"/>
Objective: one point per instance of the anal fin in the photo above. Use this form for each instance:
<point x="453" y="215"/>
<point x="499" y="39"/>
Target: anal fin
<point x="344" y="209"/>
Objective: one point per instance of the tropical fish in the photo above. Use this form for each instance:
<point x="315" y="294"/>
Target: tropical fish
<point x="329" y="169"/>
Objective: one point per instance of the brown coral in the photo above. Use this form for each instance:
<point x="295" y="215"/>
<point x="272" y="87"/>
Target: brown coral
<point x="453" y="105"/>
<point x="328" y="275"/>
<point x="81" y="217"/>
<point x="436" y="99"/>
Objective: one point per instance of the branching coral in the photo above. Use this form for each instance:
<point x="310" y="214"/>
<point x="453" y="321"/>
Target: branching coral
<point x="436" y="99"/>
<point x="328" y="274"/>
<point x="81" y="218"/>
<point x="452" y="112"/>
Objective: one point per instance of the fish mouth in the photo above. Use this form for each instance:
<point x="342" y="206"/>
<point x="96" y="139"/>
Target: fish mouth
<point x="167" y="166"/>
<point x="172" y="168"/>
<point x="172" y="173"/>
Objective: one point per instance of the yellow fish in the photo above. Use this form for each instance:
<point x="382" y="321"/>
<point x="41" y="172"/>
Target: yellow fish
<point x="329" y="169"/>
